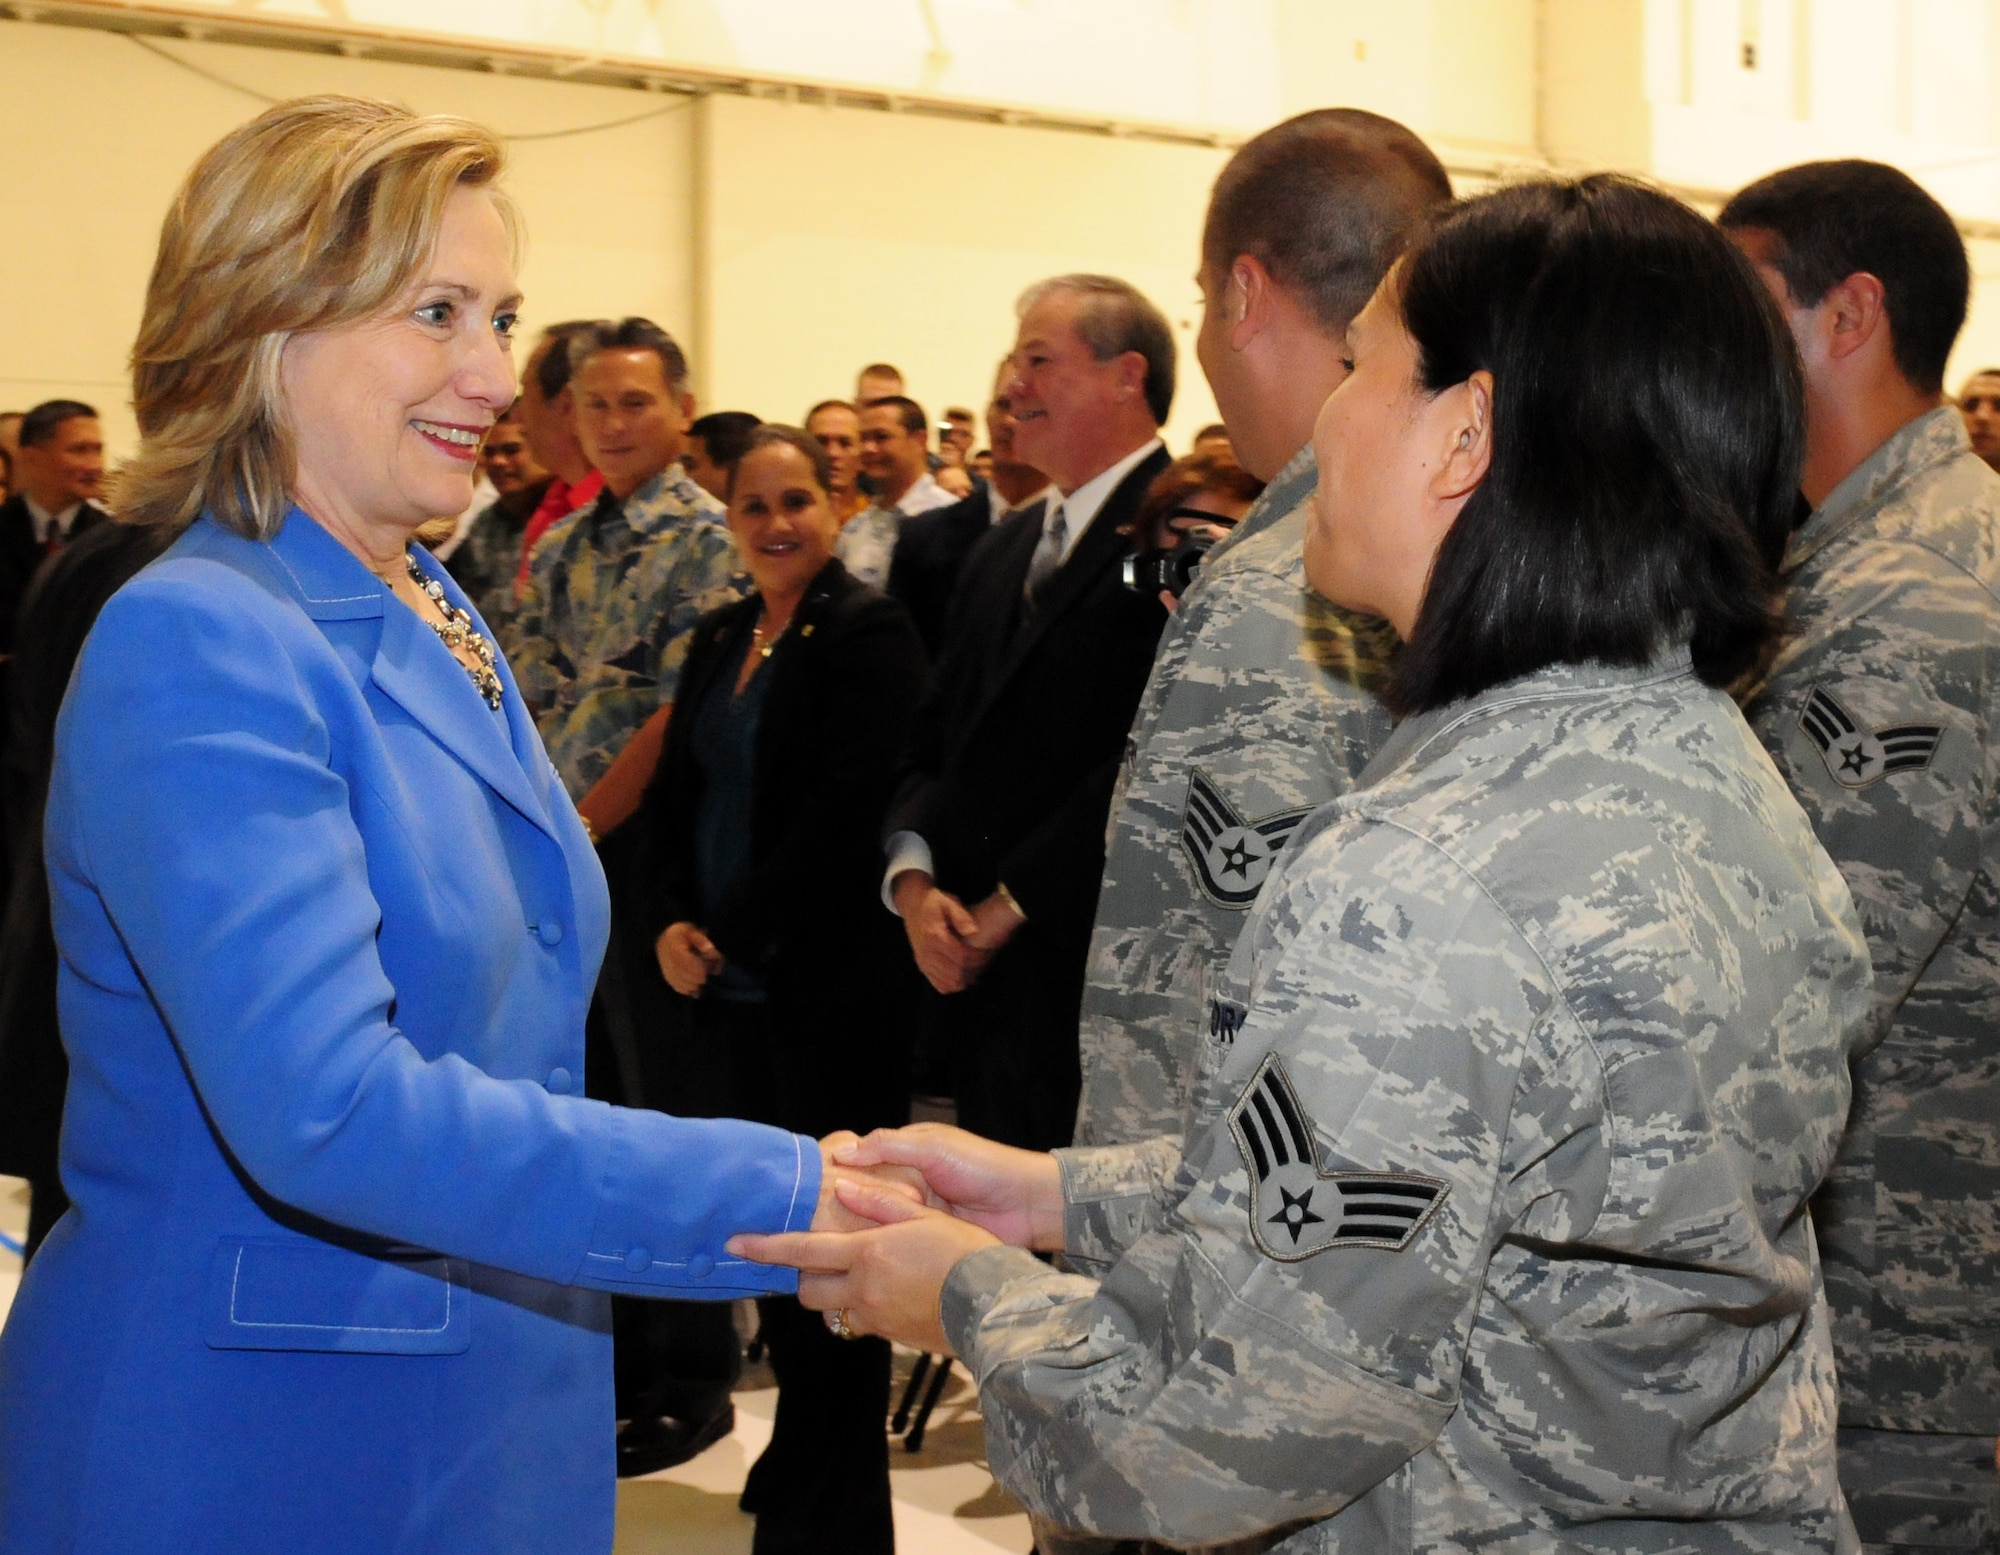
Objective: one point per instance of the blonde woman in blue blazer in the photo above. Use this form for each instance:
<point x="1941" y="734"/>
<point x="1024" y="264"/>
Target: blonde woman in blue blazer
<point x="335" y="1276"/>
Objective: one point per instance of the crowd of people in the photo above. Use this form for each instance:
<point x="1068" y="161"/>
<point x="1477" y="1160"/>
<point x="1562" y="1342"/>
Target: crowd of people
<point x="1445" y="940"/>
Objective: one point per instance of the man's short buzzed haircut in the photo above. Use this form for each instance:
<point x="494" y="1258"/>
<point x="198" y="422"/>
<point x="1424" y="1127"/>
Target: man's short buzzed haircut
<point x="879" y="370"/>
<point x="847" y="405"/>
<point x="631" y="334"/>
<point x="553" y="369"/>
<point x="1325" y="202"/>
<point x="908" y="412"/>
<point x="1833" y="219"/>
<point x="40" y="425"/>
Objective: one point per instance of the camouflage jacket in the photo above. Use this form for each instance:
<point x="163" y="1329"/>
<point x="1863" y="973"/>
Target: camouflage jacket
<point x="1260" y="709"/>
<point x="613" y="592"/>
<point x="1881" y="714"/>
<point x="1490" y="1228"/>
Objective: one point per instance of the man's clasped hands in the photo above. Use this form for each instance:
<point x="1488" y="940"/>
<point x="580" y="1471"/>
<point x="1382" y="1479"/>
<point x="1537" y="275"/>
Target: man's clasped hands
<point x="897" y="1210"/>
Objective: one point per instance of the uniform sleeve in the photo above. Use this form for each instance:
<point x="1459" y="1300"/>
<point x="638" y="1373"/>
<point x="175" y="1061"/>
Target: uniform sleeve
<point x="221" y="841"/>
<point x="1284" y="1332"/>
<point x="1877" y="716"/>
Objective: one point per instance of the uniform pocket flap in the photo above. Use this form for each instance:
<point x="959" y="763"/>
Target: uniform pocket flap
<point x="271" y="1294"/>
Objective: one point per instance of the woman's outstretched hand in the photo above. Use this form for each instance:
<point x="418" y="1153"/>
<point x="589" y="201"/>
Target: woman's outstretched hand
<point x="885" y="1279"/>
<point x="1014" y="1194"/>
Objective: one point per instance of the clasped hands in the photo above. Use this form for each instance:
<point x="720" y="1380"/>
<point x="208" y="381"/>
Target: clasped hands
<point x="897" y="1211"/>
<point x="951" y="941"/>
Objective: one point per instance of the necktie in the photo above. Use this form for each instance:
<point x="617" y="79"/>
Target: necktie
<point x="1048" y="553"/>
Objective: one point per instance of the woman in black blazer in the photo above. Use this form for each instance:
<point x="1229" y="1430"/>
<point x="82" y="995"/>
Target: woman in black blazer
<point x="764" y="867"/>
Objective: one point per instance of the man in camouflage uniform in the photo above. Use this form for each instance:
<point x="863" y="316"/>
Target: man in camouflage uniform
<point x="1260" y="707"/>
<point x="1880" y="713"/>
<point x="613" y="594"/>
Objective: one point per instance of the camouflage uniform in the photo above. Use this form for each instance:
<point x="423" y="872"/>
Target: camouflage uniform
<point x="1880" y="713"/>
<point x="613" y="592"/>
<point x="1490" y="1232"/>
<point x="1259" y="710"/>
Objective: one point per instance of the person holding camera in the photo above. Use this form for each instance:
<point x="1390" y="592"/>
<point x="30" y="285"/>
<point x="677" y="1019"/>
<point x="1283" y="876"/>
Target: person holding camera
<point x="996" y="840"/>
<point x="1190" y="509"/>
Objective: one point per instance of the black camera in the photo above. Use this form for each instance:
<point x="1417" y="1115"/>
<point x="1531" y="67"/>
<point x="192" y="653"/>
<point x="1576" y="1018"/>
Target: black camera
<point x="1148" y="572"/>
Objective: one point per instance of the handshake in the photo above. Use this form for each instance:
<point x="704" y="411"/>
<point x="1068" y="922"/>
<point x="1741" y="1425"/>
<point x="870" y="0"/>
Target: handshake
<point x="897" y="1211"/>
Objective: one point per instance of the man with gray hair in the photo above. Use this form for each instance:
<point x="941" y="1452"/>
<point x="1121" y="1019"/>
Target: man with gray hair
<point x="997" y="836"/>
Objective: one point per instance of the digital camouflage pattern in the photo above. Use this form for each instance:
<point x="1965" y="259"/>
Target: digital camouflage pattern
<point x="1571" y="955"/>
<point x="613" y="593"/>
<point x="867" y="544"/>
<point x="1880" y="713"/>
<point x="1921" y="1490"/>
<point x="1259" y="710"/>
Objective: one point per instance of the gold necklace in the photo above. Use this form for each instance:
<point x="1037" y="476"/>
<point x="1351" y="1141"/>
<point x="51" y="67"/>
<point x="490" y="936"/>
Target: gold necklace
<point x="759" y="641"/>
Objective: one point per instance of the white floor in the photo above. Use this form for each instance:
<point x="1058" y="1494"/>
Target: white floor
<point x="946" y="1502"/>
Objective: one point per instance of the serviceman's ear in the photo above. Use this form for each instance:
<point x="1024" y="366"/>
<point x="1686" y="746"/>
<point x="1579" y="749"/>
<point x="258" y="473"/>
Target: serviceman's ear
<point x="1248" y="301"/>
<point x="1853" y="313"/>
<point x="1466" y="421"/>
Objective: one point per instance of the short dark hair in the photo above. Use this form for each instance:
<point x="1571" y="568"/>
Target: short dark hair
<point x="766" y="433"/>
<point x="1213" y="429"/>
<point x="631" y="334"/>
<point x="1648" y="430"/>
<point x="847" y="405"/>
<point x="39" y="425"/>
<point x="1324" y="202"/>
<point x="908" y="411"/>
<point x="552" y="371"/>
<point x="879" y="370"/>
<point x="1117" y="317"/>
<point x="725" y="434"/>
<point x="1832" y="219"/>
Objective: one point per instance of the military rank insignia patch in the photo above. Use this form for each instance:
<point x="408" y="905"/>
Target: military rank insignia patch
<point x="1854" y="756"/>
<point x="1231" y="856"/>
<point x="1296" y="1210"/>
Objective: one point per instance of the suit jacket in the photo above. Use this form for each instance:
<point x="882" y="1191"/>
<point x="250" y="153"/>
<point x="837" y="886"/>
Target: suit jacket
<point x="930" y="554"/>
<point x="55" y="618"/>
<point x="1017" y="748"/>
<point x="20" y="555"/>
<point x="335" y="1274"/>
<point x="845" y="684"/>
<point x="807" y="920"/>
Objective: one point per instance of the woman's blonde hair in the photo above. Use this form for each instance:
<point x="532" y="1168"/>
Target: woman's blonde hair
<point x="319" y="212"/>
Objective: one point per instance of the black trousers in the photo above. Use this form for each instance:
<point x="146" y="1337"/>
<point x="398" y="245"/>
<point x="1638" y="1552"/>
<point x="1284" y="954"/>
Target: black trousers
<point x="1012" y="1037"/>
<point x="823" y="1483"/>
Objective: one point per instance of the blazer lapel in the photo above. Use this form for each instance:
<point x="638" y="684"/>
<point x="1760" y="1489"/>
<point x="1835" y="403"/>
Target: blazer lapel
<point x="410" y="666"/>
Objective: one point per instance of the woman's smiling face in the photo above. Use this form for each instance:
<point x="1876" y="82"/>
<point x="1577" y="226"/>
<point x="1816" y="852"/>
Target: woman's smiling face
<point x="784" y="524"/>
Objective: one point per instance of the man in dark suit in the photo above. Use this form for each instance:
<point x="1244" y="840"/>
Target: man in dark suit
<point x="996" y="839"/>
<point x="56" y="481"/>
<point x="932" y="547"/>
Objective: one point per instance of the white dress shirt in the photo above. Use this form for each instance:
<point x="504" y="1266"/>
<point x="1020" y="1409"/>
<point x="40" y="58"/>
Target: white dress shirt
<point x="46" y="522"/>
<point x="924" y="496"/>
<point x="906" y="849"/>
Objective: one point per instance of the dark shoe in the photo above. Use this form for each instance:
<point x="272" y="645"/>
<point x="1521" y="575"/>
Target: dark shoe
<point x="647" y="1446"/>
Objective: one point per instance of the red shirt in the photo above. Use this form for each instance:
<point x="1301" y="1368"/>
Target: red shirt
<point x="559" y="501"/>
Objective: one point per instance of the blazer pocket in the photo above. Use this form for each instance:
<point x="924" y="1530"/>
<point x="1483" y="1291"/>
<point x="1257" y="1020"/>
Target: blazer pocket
<point x="272" y="1294"/>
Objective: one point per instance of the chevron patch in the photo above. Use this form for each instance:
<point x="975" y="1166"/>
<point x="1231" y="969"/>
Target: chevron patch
<point x="1231" y="856"/>
<point x="1296" y="1210"/>
<point x="1856" y="757"/>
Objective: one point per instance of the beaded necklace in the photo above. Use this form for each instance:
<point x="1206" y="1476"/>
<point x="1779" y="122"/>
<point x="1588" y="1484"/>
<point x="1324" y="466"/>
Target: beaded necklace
<point x="456" y="631"/>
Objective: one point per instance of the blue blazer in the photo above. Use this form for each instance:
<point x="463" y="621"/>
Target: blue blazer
<point x="334" y="1279"/>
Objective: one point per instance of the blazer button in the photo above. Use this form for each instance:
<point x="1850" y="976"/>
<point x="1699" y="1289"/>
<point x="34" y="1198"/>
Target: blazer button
<point x="549" y="933"/>
<point x="638" y="1260"/>
<point x="700" y="1266"/>
<point x="559" y="1082"/>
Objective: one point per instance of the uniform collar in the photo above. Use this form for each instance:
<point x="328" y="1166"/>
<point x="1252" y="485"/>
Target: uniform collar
<point x="1414" y="738"/>
<point x="1934" y="438"/>
<point x="1288" y="488"/>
